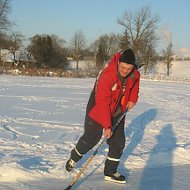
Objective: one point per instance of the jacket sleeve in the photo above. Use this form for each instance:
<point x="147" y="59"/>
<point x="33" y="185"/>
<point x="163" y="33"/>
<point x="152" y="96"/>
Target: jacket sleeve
<point x="135" y="89"/>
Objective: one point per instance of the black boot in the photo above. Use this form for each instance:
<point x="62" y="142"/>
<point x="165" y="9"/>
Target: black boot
<point x="110" y="167"/>
<point x="75" y="157"/>
<point x="110" y="171"/>
<point x="116" y="177"/>
<point x="70" y="165"/>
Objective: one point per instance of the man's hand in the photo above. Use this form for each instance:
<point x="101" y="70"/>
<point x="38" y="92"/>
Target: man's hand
<point x="108" y="133"/>
<point x="130" y="105"/>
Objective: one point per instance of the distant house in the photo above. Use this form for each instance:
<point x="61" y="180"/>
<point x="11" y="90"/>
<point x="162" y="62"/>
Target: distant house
<point x="21" y="57"/>
<point x="6" y="56"/>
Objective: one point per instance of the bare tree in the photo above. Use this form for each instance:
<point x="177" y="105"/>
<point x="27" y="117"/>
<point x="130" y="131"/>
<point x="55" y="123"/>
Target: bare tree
<point x="41" y="50"/>
<point x="78" y="43"/>
<point x="141" y="30"/>
<point x="15" y="43"/>
<point x="47" y="51"/>
<point x="106" y="46"/>
<point x="4" y="21"/>
<point x="149" y="59"/>
<point x="3" y="40"/>
<point x="57" y="42"/>
<point x="59" y="59"/>
<point x="167" y="55"/>
<point x="125" y="43"/>
<point x="99" y="58"/>
<point x="4" y="10"/>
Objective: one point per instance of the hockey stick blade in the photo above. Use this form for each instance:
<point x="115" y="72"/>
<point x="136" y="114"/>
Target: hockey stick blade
<point x="68" y="188"/>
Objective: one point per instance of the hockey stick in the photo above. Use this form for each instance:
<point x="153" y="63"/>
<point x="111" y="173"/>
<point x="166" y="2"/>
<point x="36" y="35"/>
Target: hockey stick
<point x="94" y="154"/>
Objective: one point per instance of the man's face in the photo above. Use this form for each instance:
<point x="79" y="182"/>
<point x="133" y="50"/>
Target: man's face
<point x="124" y="68"/>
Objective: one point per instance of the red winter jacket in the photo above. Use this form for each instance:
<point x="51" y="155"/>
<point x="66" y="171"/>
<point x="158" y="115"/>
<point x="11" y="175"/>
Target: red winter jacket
<point x="108" y="92"/>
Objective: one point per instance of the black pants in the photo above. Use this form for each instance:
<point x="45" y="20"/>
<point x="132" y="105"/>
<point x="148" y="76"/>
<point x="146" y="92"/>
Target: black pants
<point x="91" y="136"/>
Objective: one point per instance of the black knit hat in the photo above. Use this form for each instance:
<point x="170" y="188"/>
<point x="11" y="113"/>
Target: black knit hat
<point x="127" y="57"/>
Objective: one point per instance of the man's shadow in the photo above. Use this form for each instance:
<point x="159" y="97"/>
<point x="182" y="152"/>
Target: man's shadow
<point x="160" y="177"/>
<point x="134" y="133"/>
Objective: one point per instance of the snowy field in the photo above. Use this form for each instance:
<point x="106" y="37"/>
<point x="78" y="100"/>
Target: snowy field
<point x="42" y="118"/>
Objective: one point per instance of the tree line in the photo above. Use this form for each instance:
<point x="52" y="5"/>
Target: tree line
<point x="139" y="33"/>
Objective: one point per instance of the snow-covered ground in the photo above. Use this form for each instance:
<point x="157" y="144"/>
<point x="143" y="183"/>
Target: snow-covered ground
<point x="42" y="118"/>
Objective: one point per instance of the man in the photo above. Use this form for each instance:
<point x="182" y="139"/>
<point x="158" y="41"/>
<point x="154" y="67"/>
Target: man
<point x="116" y="88"/>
